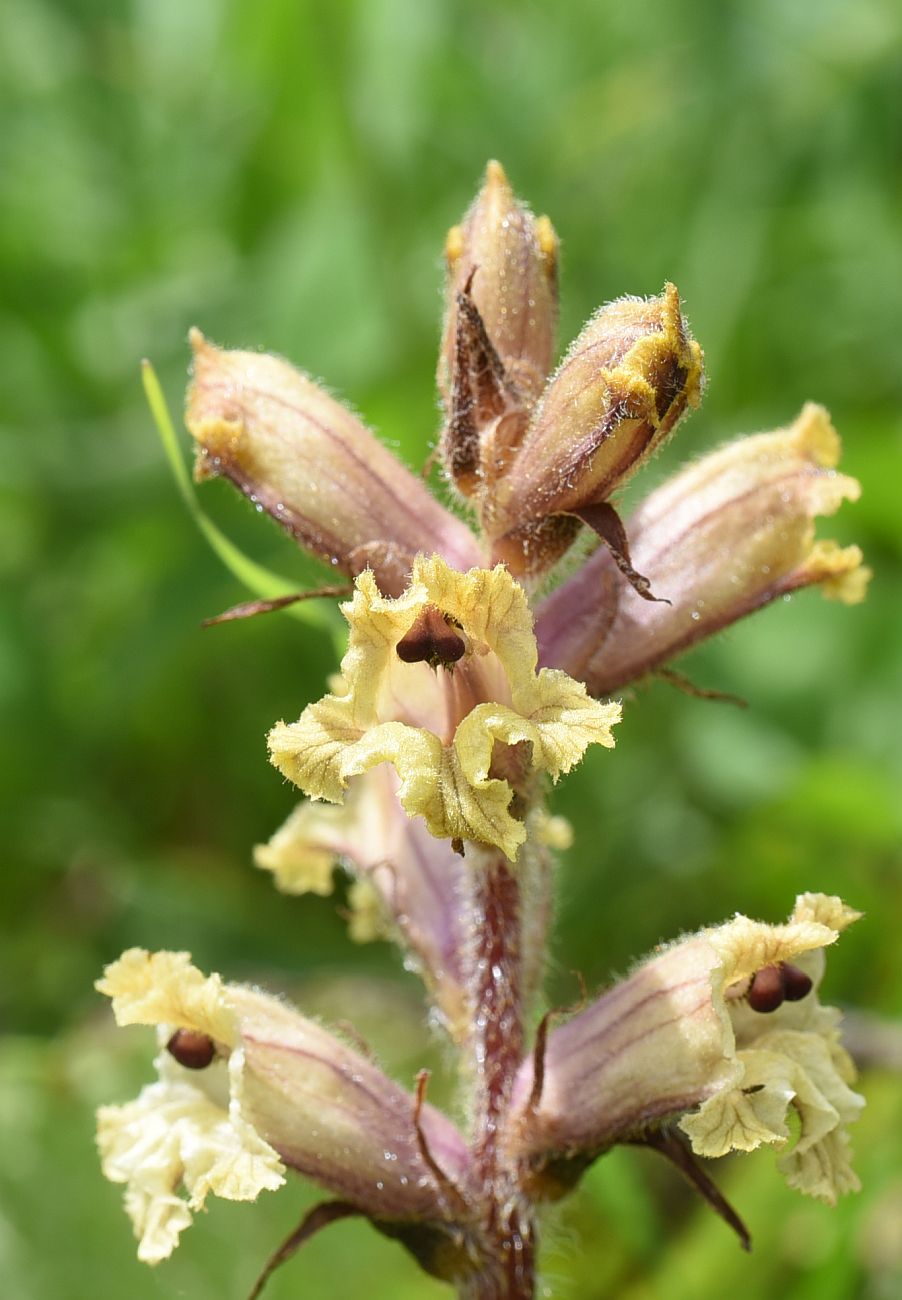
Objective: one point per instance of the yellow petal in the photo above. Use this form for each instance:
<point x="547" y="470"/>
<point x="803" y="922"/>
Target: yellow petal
<point x="736" y="1120"/>
<point x="745" y="945"/>
<point x="368" y="919"/>
<point x="567" y="721"/>
<point x="449" y="787"/>
<point x="825" y="909"/>
<point x="302" y="853"/>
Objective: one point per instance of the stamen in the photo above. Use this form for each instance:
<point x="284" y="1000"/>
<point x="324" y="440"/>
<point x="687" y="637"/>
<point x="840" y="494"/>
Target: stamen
<point x="773" y="985"/>
<point x="796" y="984"/>
<point x="431" y="639"/>
<point x="766" y="989"/>
<point x="191" y="1048"/>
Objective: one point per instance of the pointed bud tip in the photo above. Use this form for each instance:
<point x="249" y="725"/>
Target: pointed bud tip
<point x="454" y="245"/>
<point x="495" y="176"/>
<point x="200" y="345"/>
<point x="548" y="242"/>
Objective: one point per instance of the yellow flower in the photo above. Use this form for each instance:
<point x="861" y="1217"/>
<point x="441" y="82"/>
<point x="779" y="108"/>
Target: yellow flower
<point x="791" y="1057"/>
<point x="682" y="1035"/>
<point x="188" y="1129"/>
<point x="247" y="1087"/>
<point x="442" y="683"/>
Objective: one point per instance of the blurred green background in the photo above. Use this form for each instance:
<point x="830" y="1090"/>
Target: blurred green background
<point x="282" y="174"/>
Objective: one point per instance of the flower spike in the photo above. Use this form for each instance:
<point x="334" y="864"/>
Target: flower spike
<point x="426" y="768"/>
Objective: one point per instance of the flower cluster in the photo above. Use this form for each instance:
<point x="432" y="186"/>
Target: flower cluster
<point x="476" y="670"/>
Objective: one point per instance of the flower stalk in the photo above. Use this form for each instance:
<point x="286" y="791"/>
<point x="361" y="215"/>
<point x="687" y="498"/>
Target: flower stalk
<point x="497" y="1043"/>
<point x="462" y="696"/>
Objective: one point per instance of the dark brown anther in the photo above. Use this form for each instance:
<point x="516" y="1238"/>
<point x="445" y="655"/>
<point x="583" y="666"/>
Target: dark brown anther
<point x="192" y="1049"/>
<point x="796" y="984"/>
<point x="431" y="640"/>
<point x="766" y="991"/>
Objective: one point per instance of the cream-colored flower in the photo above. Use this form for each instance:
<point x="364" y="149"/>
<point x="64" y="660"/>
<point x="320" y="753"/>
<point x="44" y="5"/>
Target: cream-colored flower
<point x="681" y="1035"/>
<point x="791" y="1057"/>
<point x="465" y="724"/>
<point x="186" y="1131"/>
<point x="273" y="1090"/>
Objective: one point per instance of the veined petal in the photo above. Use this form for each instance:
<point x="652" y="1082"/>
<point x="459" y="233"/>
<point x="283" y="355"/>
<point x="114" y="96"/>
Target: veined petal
<point x="567" y="721"/>
<point x="313" y="751"/>
<point x="439" y="726"/>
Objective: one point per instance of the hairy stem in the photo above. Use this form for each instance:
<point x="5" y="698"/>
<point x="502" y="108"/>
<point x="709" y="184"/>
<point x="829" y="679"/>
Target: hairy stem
<point x="495" y="982"/>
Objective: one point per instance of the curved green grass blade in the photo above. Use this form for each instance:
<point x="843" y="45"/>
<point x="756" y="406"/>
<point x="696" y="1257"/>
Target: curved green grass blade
<point x="256" y="577"/>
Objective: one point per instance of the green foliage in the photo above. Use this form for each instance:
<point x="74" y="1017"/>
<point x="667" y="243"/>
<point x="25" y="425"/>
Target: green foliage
<point x="282" y="174"/>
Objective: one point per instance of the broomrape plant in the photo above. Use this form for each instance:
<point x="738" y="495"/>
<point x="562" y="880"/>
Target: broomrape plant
<point x="464" y="687"/>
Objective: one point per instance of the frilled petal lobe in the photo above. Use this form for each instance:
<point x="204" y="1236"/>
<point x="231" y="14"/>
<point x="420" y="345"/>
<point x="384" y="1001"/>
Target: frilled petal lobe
<point x="680" y="1035"/>
<point x="442" y="728"/>
<point x="720" y="539"/>
<point x="154" y="988"/>
<point x="277" y="1090"/>
<point x="174" y="1136"/>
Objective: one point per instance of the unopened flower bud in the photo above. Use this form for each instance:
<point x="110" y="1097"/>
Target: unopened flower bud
<point x="511" y="258"/>
<point x="619" y="392"/>
<point x="311" y="464"/>
<point x="722" y="538"/>
<point x="683" y="1036"/>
